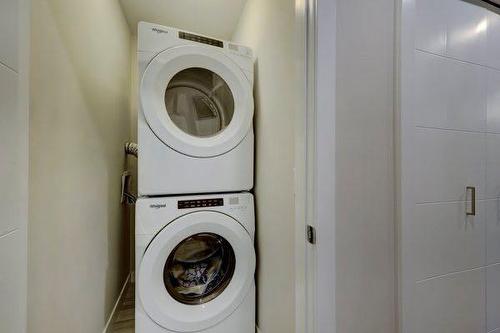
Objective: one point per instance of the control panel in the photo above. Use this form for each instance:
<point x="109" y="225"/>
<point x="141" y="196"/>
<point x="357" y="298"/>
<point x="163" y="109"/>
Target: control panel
<point x="202" y="203"/>
<point x="200" y="39"/>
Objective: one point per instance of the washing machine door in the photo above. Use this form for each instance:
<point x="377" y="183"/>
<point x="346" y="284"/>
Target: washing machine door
<point x="196" y="271"/>
<point x="197" y="100"/>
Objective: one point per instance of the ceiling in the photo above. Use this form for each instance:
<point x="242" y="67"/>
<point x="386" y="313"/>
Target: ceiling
<point x="215" y="18"/>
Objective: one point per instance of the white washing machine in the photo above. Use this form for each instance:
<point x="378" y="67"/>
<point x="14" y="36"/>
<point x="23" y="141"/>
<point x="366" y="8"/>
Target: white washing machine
<point x="195" y="264"/>
<point x="195" y="126"/>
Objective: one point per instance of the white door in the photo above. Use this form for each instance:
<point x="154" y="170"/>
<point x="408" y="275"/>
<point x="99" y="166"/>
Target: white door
<point x="197" y="100"/>
<point x="450" y="167"/>
<point x="13" y="164"/>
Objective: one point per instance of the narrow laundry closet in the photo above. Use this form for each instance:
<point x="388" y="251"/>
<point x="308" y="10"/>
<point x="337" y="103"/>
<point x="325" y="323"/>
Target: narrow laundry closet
<point x="207" y="94"/>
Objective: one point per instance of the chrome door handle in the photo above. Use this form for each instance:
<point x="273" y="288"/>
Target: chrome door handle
<point x="472" y="191"/>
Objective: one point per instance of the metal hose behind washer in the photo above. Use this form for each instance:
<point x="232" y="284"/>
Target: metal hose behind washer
<point x="132" y="149"/>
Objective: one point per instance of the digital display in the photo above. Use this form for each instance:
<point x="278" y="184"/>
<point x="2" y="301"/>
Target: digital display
<point x="200" y="39"/>
<point x="203" y="203"/>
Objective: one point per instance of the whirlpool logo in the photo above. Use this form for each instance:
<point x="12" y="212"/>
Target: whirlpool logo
<point x="158" y="206"/>
<point x="160" y="31"/>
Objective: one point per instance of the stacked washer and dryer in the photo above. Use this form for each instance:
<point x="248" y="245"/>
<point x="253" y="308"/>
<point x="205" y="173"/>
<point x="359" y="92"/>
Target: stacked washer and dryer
<point x="195" y="222"/>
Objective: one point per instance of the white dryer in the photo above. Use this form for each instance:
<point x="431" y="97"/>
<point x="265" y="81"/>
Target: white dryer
<point x="195" y="125"/>
<point x="195" y="264"/>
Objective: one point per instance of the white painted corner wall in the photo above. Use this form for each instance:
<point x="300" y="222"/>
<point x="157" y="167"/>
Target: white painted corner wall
<point x="268" y="27"/>
<point x="80" y="119"/>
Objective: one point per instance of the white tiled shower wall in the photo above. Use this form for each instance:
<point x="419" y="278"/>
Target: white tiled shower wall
<point x="454" y="259"/>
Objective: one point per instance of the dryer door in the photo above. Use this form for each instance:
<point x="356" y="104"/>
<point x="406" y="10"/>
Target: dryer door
<point x="197" y="100"/>
<point x="196" y="271"/>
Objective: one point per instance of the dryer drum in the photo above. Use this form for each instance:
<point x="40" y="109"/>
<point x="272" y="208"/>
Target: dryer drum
<point x="199" y="269"/>
<point x="199" y="102"/>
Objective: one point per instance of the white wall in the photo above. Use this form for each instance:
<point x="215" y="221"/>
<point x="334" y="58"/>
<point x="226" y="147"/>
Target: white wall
<point x="14" y="68"/>
<point x="365" y="288"/>
<point x="269" y="28"/>
<point x="80" y="86"/>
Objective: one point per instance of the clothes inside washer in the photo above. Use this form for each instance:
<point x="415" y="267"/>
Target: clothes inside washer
<point x="199" y="269"/>
<point x="194" y="279"/>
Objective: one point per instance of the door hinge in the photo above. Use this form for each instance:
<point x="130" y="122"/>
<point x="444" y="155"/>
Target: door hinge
<point x="311" y="234"/>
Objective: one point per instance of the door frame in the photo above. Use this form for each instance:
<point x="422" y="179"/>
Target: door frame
<point x="315" y="167"/>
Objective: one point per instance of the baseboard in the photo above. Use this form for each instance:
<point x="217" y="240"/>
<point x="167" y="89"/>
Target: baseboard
<point x="112" y="314"/>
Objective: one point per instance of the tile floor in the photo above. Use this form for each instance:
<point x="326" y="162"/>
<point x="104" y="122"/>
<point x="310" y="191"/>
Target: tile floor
<point x="123" y="321"/>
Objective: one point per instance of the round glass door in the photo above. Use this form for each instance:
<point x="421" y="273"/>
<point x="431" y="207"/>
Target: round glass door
<point x="199" y="269"/>
<point x="199" y="102"/>
<point x="196" y="271"/>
